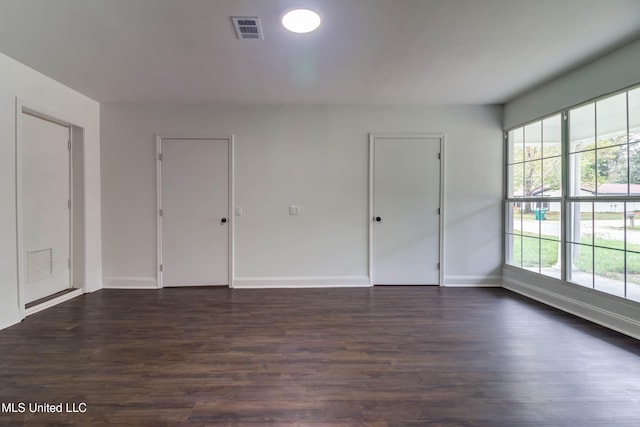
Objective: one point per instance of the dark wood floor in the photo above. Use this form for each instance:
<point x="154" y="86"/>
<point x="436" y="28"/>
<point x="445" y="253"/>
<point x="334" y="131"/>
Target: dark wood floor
<point x="383" y="356"/>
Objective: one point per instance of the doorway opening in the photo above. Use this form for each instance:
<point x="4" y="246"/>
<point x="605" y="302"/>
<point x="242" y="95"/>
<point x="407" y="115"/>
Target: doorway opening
<point x="49" y="208"/>
<point x="406" y="177"/>
<point x="195" y="198"/>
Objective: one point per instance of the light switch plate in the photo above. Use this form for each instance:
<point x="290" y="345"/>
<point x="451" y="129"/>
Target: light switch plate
<point x="238" y="211"/>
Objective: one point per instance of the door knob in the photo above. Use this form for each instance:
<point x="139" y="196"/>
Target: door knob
<point x="378" y="219"/>
<point x="223" y="220"/>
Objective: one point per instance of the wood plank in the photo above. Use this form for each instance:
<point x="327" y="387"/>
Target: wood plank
<point x="325" y="357"/>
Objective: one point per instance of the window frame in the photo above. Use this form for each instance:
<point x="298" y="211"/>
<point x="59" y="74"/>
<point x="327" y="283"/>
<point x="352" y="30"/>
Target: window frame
<point x="566" y="199"/>
<point x="539" y="200"/>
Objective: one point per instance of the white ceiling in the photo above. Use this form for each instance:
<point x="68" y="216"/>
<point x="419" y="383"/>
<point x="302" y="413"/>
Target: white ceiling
<point x="365" y="52"/>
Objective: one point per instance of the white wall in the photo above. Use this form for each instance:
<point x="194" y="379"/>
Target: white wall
<point x="38" y="90"/>
<point x="612" y="72"/>
<point x="313" y="156"/>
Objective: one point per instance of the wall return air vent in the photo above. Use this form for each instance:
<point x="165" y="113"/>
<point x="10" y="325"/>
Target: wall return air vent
<point x="247" y="27"/>
<point x="39" y="264"/>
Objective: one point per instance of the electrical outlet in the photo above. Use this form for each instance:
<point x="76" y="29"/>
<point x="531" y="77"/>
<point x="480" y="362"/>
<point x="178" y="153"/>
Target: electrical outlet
<point x="294" y="210"/>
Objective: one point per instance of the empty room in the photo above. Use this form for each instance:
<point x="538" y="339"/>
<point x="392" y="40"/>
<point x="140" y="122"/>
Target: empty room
<point x="320" y="212"/>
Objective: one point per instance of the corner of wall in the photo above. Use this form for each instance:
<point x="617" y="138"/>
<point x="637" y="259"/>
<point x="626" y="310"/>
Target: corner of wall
<point x="10" y="318"/>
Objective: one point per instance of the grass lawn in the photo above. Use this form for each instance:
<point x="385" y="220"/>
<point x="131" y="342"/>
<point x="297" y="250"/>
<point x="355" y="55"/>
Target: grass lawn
<point x="608" y="262"/>
<point x="555" y="216"/>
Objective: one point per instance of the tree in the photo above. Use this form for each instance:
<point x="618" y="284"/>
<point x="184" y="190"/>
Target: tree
<point x="603" y="165"/>
<point x="535" y="175"/>
<point x="634" y="164"/>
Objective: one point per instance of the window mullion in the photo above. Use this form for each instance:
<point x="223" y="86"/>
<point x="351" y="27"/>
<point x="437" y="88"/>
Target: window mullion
<point x="565" y="263"/>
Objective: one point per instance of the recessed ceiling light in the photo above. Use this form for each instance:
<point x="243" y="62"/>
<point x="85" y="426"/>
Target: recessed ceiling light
<point x="301" y="20"/>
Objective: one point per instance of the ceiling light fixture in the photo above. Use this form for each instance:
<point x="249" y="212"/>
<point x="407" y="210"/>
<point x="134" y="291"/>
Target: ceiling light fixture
<point x="301" y="20"/>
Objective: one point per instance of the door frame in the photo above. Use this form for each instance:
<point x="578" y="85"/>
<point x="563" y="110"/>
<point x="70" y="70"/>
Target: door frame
<point x="230" y="189"/>
<point x="372" y="138"/>
<point x="77" y="220"/>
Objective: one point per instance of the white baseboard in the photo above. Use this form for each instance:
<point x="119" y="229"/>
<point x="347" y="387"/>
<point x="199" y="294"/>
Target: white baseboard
<point x="301" y="282"/>
<point x="129" y="283"/>
<point x="52" y="302"/>
<point x="197" y="285"/>
<point x="473" y="281"/>
<point x="606" y="318"/>
<point x="9" y="318"/>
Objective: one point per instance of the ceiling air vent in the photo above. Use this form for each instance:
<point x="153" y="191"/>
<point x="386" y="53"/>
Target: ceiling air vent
<point x="247" y="27"/>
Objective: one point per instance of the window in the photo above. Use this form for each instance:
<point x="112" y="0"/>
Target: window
<point x="534" y="190"/>
<point x="604" y="158"/>
<point x="596" y="198"/>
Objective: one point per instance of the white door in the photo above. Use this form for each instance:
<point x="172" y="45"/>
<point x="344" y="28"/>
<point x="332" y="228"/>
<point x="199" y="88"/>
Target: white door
<point x="406" y="202"/>
<point x="195" y="206"/>
<point x="45" y="207"/>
